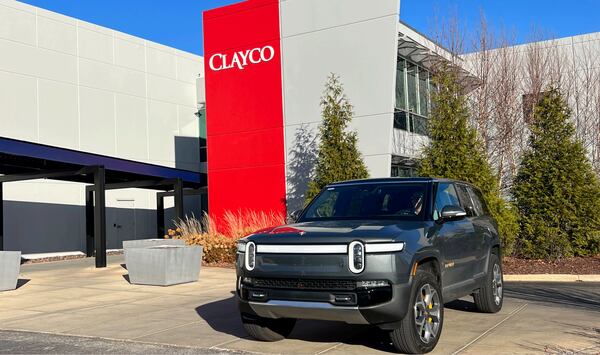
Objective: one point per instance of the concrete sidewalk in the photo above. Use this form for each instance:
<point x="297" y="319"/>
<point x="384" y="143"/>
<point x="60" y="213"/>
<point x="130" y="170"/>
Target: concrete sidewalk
<point x="73" y="298"/>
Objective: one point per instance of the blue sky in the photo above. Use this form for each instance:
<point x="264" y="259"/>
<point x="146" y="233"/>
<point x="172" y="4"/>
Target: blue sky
<point x="178" y="23"/>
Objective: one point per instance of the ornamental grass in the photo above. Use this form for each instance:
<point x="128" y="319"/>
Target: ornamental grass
<point x="219" y="245"/>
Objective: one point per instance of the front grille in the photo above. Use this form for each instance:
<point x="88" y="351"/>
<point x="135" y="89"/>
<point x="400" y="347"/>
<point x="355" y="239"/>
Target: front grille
<point x="302" y="284"/>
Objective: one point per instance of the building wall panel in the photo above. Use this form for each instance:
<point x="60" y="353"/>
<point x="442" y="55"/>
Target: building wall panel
<point x="357" y="41"/>
<point x="18" y="102"/>
<point x="58" y="114"/>
<point x="57" y="35"/>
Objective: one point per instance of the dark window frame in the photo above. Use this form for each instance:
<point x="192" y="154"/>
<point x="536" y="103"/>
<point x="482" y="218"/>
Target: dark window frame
<point x="435" y="195"/>
<point x="469" y="209"/>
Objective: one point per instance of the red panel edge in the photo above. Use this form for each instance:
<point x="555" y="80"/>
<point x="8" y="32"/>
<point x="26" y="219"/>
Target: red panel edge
<point x="249" y="175"/>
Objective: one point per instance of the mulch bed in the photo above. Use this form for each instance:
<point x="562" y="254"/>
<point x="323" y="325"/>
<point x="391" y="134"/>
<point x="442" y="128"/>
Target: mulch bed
<point x="573" y="266"/>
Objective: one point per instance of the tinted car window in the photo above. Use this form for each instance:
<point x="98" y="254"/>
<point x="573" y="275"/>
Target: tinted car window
<point x="445" y="196"/>
<point x="368" y="201"/>
<point x="478" y="202"/>
<point x="465" y="200"/>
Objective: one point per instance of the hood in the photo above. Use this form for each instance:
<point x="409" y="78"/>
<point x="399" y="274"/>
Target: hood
<point x="340" y="231"/>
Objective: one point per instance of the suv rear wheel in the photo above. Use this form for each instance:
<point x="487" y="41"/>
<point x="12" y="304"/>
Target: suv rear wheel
<point x="267" y="329"/>
<point x="421" y="328"/>
<point x="490" y="296"/>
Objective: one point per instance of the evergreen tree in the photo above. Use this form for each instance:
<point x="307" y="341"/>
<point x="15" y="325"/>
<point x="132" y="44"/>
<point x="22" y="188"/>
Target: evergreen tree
<point x="455" y="152"/>
<point x="556" y="191"/>
<point x="338" y="157"/>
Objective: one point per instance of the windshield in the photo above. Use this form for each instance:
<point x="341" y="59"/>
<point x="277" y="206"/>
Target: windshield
<point x="369" y="201"/>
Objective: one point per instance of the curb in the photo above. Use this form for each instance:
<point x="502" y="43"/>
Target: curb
<point x="552" y="278"/>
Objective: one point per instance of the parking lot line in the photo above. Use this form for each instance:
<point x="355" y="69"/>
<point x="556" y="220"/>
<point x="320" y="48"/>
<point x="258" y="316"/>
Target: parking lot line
<point x="329" y="349"/>
<point x="510" y="315"/>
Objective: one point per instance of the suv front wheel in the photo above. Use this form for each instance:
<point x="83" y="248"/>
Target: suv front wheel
<point x="421" y="328"/>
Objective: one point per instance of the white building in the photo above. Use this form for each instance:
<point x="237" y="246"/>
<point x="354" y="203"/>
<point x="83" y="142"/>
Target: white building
<point x="71" y="84"/>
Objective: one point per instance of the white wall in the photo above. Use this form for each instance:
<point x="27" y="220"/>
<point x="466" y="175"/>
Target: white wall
<point x="72" y="84"/>
<point x="577" y="60"/>
<point x="357" y="40"/>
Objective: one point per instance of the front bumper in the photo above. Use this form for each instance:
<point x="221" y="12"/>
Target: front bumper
<point x="323" y="305"/>
<point x="307" y="310"/>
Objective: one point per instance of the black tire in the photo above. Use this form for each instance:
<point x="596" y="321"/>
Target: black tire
<point x="408" y="339"/>
<point x="490" y="297"/>
<point x="266" y="329"/>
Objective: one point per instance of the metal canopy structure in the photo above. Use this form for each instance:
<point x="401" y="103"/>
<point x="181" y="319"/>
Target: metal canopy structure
<point x="21" y="161"/>
<point x="411" y="49"/>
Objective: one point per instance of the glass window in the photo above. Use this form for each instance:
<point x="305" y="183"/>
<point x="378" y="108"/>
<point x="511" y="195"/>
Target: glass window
<point x="478" y="202"/>
<point x="411" y="75"/>
<point x="432" y="89"/>
<point x="445" y="196"/>
<point x="202" y="121"/>
<point x="401" y="85"/>
<point x="423" y="92"/>
<point x="401" y="120"/>
<point x="420" y="125"/>
<point x="403" y="171"/>
<point x="465" y="200"/>
<point x="369" y="201"/>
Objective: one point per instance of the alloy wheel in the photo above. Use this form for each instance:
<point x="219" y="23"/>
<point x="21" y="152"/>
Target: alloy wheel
<point x="427" y="313"/>
<point x="497" y="284"/>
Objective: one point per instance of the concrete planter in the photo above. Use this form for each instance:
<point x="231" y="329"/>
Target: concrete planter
<point x="163" y="265"/>
<point x="144" y="243"/>
<point x="10" y="265"/>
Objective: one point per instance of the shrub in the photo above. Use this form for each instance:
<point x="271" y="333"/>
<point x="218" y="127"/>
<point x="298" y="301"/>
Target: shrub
<point x="455" y="152"/>
<point x="556" y="190"/>
<point x="338" y="157"/>
<point x="242" y="223"/>
<point x="220" y="248"/>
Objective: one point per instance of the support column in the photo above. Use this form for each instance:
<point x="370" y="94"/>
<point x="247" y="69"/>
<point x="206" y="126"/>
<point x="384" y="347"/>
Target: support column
<point x="178" y="191"/>
<point x="89" y="222"/>
<point x="204" y="202"/>
<point x="100" y="216"/>
<point x="1" y="219"/>
<point x="160" y="215"/>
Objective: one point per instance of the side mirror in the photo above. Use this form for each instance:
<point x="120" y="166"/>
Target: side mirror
<point x="294" y="216"/>
<point x="452" y="213"/>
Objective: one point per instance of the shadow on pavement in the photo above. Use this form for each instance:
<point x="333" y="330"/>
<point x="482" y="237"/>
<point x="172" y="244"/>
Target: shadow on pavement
<point x="22" y="282"/>
<point x="576" y="294"/>
<point x="223" y="316"/>
<point x="461" y="305"/>
<point x="588" y="333"/>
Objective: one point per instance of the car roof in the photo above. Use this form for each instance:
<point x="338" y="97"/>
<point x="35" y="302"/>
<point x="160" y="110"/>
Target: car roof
<point x="395" y="179"/>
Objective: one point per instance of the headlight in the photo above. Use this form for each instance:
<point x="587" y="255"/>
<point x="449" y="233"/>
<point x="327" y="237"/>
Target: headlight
<point x="356" y="257"/>
<point x="384" y="247"/>
<point x="250" y="256"/>
<point x="241" y="247"/>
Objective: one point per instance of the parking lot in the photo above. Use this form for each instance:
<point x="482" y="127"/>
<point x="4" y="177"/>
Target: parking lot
<point x="73" y="298"/>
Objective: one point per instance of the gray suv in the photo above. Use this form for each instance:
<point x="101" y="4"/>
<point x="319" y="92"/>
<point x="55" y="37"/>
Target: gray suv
<point x="388" y="252"/>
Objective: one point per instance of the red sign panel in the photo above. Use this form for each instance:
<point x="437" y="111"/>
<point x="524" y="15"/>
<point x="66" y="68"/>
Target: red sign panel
<point x="244" y="108"/>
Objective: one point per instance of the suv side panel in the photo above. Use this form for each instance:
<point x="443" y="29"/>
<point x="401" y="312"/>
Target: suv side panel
<point x="454" y="238"/>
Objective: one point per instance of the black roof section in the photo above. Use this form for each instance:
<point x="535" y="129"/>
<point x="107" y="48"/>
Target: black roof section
<point x="395" y="179"/>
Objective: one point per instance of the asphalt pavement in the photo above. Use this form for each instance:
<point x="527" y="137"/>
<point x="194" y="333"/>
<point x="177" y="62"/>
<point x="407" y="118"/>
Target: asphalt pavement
<point x="18" y="342"/>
